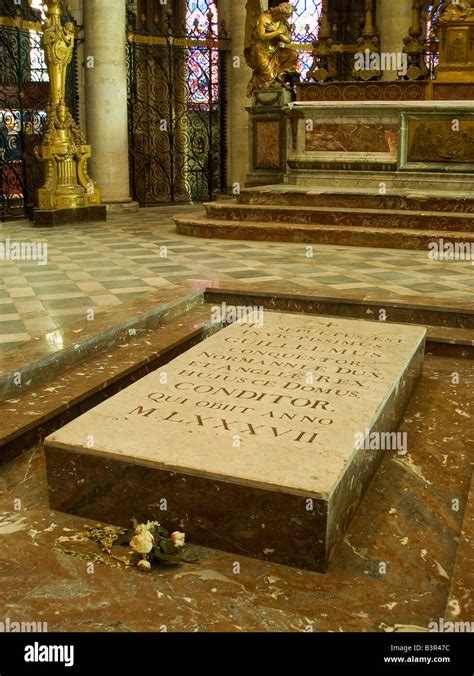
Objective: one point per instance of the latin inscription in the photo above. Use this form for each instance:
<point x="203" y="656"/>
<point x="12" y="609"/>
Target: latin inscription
<point x="288" y="383"/>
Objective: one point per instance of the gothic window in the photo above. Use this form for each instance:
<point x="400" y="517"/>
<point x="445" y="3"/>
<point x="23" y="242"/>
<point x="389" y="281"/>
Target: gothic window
<point x="305" y="20"/>
<point x="203" y="76"/>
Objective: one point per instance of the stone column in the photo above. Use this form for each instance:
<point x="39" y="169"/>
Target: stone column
<point x="106" y="100"/>
<point x="234" y="14"/>
<point x="393" y="21"/>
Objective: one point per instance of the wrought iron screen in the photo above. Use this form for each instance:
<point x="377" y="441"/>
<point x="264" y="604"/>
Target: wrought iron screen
<point x="177" y="105"/>
<point x="24" y="92"/>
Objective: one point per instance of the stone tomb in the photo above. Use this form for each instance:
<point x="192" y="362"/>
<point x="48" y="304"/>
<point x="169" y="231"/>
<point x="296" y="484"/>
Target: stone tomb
<point x="247" y="441"/>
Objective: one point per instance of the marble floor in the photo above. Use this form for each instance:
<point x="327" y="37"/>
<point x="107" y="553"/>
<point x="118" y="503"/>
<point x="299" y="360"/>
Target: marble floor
<point x="404" y="561"/>
<point x="97" y="266"/>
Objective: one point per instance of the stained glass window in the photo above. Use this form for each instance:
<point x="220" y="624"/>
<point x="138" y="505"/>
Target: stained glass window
<point x="197" y="19"/>
<point x="38" y="68"/>
<point x="203" y="75"/>
<point x="432" y="44"/>
<point x="305" y="20"/>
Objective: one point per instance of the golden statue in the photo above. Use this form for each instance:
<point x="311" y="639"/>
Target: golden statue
<point x="63" y="151"/>
<point x="268" y="51"/>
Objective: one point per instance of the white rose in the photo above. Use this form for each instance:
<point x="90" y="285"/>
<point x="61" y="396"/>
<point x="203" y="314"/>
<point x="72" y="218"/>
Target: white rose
<point x="152" y="524"/>
<point x="140" y="529"/>
<point x="144" y="565"/>
<point x="143" y="542"/>
<point x="177" y="539"/>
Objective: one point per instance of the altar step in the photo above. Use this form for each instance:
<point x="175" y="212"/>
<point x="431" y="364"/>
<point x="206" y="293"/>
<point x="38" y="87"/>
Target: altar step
<point x="298" y="196"/>
<point x="407" y="219"/>
<point x="399" y="218"/>
<point x="366" y="235"/>
<point x="445" y="183"/>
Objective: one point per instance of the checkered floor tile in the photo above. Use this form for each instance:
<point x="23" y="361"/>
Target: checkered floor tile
<point x="101" y="265"/>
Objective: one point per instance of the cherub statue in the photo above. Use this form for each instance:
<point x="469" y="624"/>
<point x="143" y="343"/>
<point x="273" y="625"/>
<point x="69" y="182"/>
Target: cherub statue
<point x="268" y="51"/>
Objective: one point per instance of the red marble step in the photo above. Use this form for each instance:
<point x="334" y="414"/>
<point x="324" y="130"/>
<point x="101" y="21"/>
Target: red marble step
<point x="46" y="405"/>
<point x="366" y="218"/>
<point x="197" y="225"/>
<point x="300" y="197"/>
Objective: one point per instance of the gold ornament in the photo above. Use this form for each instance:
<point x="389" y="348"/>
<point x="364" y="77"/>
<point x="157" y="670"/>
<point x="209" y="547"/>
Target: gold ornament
<point x="455" y="30"/>
<point x="268" y="51"/>
<point x="452" y="10"/>
<point x="368" y="44"/>
<point x="63" y="151"/>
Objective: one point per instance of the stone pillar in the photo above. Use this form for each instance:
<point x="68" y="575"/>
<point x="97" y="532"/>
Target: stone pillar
<point x="393" y="21"/>
<point x="234" y="14"/>
<point x="106" y="100"/>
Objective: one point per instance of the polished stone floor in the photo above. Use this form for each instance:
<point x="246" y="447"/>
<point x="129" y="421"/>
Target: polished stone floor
<point x="96" y="266"/>
<point x="400" y="565"/>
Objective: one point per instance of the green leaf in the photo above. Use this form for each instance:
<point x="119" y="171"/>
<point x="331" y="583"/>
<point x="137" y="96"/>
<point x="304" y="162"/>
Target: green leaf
<point x="167" y="558"/>
<point x="125" y="538"/>
<point x="167" y="547"/>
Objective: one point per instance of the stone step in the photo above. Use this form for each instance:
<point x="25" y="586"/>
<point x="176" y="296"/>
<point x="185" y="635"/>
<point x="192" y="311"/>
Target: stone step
<point x="46" y="405"/>
<point x="449" y="184"/>
<point x="45" y="357"/>
<point x="460" y="604"/>
<point x="198" y="225"/>
<point x="360" y="199"/>
<point x="367" y="218"/>
<point x="449" y="321"/>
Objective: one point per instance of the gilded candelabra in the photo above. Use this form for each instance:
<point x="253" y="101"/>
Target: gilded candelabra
<point x="63" y="152"/>
<point x="323" y="68"/>
<point x="368" y="44"/>
<point x="415" y="44"/>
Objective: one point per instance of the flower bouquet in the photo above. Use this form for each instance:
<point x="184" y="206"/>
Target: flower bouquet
<point x="148" y="541"/>
<point x="151" y="541"/>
